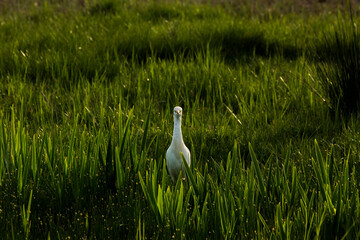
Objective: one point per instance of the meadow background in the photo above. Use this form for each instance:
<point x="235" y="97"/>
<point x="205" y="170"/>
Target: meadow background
<point x="270" y="95"/>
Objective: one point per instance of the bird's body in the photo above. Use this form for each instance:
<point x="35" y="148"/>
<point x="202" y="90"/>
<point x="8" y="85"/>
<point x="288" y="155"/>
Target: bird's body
<point x="174" y="162"/>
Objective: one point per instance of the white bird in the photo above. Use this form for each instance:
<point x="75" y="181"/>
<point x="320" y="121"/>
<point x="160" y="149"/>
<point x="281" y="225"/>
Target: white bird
<point x="174" y="163"/>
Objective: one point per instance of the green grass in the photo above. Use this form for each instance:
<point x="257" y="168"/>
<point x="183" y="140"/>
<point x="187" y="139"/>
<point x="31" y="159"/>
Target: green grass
<point x="338" y="68"/>
<point x="86" y="97"/>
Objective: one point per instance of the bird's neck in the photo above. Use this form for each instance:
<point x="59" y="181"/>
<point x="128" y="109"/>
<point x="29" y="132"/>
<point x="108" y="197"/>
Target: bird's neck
<point x="177" y="135"/>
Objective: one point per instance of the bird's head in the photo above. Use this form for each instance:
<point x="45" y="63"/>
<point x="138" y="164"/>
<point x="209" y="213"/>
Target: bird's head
<point x="177" y="112"/>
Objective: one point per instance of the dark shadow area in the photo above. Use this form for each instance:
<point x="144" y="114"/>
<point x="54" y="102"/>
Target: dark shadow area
<point x="233" y="46"/>
<point x="160" y="12"/>
<point x="103" y="7"/>
<point x="337" y="58"/>
<point x="236" y="44"/>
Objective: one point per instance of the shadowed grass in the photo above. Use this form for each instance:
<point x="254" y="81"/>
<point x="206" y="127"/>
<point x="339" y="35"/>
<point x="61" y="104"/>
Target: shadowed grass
<point x="338" y="69"/>
<point x="85" y="121"/>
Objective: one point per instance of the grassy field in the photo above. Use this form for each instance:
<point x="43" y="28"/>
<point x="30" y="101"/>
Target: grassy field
<point x="86" y="97"/>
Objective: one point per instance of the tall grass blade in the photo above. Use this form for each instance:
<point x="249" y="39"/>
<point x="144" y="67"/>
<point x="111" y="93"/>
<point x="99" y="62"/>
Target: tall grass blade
<point x="320" y="160"/>
<point x="25" y="214"/>
<point x="190" y="175"/>
<point x="109" y="168"/>
<point x="140" y="233"/>
<point x="146" y="128"/>
<point x="151" y="198"/>
<point x="124" y="137"/>
<point x="258" y="171"/>
<point x="71" y="147"/>
<point x="293" y="186"/>
<point x="280" y="221"/>
<point x="34" y="163"/>
<point x="120" y="174"/>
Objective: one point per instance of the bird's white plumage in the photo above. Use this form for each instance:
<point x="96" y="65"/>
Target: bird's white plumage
<point x="174" y="162"/>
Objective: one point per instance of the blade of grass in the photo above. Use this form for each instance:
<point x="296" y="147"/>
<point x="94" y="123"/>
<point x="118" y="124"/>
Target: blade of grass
<point x="258" y="171"/>
<point x="190" y="175"/>
<point x="146" y="128"/>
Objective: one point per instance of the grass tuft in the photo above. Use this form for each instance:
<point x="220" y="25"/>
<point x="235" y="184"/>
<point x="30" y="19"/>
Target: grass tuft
<point x="339" y="67"/>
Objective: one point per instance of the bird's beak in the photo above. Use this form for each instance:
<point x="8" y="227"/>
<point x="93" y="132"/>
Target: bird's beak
<point x="178" y="112"/>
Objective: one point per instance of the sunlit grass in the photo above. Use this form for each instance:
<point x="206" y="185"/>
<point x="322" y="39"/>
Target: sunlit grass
<point x="85" y="120"/>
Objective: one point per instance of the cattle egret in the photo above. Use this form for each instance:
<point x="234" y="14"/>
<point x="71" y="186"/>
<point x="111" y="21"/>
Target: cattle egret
<point x="174" y="163"/>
